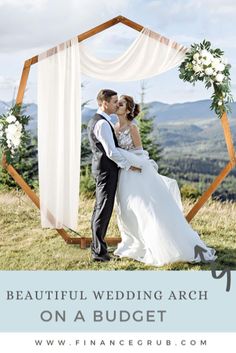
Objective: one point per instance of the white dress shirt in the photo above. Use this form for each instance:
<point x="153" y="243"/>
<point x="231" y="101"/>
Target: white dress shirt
<point x="103" y="133"/>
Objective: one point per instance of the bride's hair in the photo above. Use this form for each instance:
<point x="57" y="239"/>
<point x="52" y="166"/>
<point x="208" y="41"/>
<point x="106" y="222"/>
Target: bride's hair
<point x="131" y="106"/>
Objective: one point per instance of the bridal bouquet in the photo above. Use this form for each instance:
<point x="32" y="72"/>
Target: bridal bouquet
<point x="12" y="131"/>
<point x="202" y="63"/>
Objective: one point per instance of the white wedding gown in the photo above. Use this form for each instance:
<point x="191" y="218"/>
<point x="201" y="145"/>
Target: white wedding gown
<point x="150" y="214"/>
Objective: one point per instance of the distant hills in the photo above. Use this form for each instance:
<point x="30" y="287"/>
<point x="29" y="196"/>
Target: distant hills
<point x="189" y="128"/>
<point x="194" y="149"/>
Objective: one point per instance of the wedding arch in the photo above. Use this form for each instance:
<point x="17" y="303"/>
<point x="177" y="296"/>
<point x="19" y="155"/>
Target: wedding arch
<point x="84" y="241"/>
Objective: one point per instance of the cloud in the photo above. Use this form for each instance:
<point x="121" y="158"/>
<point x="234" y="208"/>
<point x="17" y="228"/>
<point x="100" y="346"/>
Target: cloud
<point x="29" y="27"/>
<point x="193" y="16"/>
<point x="112" y="42"/>
<point x="17" y="4"/>
<point x="26" y="24"/>
<point x="183" y="9"/>
<point x="8" y="87"/>
<point x="8" y="82"/>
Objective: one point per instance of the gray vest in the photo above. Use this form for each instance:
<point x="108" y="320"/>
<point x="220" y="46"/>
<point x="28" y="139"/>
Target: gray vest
<point x="100" y="162"/>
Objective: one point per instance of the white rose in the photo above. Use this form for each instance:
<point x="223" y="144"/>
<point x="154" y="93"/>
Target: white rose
<point x="12" y="129"/>
<point x="11" y="119"/>
<point x="17" y="134"/>
<point x="219" y="77"/>
<point x="209" y="71"/>
<point x="215" y="62"/>
<point x="16" y="142"/>
<point x="220" y="67"/>
<point x="197" y="68"/>
<point x="210" y="56"/>
<point x="206" y="62"/>
<point x="220" y="103"/>
<point x="204" y="53"/>
<point x="9" y="135"/>
<point x="19" y="127"/>
<point x="196" y="56"/>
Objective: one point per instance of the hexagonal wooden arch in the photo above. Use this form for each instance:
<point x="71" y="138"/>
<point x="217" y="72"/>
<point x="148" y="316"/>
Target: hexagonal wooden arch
<point x="84" y="241"/>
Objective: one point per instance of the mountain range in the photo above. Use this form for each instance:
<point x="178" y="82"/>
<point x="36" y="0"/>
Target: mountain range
<point x="189" y="128"/>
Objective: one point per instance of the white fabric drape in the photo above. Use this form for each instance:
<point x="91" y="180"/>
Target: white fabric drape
<point x="149" y="55"/>
<point x="59" y="129"/>
<point x="59" y="112"/>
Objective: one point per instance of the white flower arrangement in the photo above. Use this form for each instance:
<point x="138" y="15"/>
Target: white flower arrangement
<point x="12" y="131"/>
<point x="202" y="63"/>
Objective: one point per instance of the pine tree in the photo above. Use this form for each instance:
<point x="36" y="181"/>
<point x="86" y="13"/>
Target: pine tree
<point x="86" y="153"/>
<point x="146" y="126"/>
<point x="25" y="163"/>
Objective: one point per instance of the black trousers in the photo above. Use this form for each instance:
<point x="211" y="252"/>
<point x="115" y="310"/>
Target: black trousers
<point x="106" y="183"/>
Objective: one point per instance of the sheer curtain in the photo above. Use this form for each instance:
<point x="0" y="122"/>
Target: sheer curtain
<point x="59" y="130"/>
<point x="149" y="55"/>
<point x="59" y="112"/>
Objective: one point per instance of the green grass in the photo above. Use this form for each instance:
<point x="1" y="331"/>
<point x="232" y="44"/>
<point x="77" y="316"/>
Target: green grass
<point x="24" y="245"/>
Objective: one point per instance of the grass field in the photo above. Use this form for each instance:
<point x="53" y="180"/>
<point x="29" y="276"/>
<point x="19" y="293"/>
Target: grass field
<point x="24" y="245"/>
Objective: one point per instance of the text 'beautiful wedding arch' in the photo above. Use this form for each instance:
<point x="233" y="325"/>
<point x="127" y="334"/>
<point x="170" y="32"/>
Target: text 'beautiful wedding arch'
<point x="84" y="241"/>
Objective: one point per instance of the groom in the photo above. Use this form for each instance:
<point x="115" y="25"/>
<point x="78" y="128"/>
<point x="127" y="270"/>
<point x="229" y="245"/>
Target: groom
<point x="106" y="162"/>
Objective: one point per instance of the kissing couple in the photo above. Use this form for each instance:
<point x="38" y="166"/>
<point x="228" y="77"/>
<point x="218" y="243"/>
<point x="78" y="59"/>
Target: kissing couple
<point x="149" y="210"/>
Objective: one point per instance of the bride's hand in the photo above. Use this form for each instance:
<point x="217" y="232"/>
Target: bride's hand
<point x="135" y="169"/>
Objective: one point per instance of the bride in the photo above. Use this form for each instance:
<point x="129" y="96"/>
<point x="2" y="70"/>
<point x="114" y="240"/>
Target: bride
<point x="148" y="205"/>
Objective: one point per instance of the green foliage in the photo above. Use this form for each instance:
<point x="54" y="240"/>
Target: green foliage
<point x="87" y="182"/>
<point x="86" y="153"/>
<point x="18" y="112"/>
<point x="148" y="139"/>
<point x="202" y="63"/>
<point x="189" y="191"/>
<point x="24" y="159"/>
<point x="200" y="174"/>
<point x="26" y="246"/>
<point x="146" y="127"/>
<point x="26" y="164"/>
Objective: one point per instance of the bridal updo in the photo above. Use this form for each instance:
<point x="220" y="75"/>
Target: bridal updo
<point x="131" y="106"/>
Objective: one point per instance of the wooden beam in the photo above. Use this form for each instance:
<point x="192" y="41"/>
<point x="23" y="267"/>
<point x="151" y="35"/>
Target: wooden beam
<point x="92" y="32"/>
<point x="86" y="241"/>
<point x="34" y="198"/>
<point x="113" y="241"/>
<point x="130" y="23"/>
<point x="23" y="82"/>
<point x="99" y="28"/>
<point x="228" y="138"/>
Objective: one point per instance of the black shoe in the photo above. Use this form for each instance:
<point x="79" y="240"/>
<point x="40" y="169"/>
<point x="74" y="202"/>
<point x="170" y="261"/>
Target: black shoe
<point x="107" y="257"/>
<point x="101" y="258"/>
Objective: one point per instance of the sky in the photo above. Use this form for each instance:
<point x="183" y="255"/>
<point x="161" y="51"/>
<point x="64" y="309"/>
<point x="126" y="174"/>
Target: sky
<point x="29" y="27"/>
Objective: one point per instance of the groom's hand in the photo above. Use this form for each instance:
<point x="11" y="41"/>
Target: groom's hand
<point x="135" y="169"/>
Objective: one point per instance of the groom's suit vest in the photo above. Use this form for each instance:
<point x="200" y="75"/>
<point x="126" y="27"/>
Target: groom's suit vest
<point x="100" y="161"/>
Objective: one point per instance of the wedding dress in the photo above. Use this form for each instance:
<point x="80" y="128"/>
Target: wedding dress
<point x="150" y="214"/>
